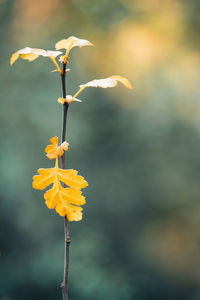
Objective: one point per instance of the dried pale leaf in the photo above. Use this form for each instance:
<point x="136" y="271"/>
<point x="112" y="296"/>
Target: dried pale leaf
<point x="25" y="50"/>
<point x="71" y="42"/>
<point x="33" y="53"/>
<point x="45" y="53"/>
<point x="103" y="83"/>
<point x="107" y="82"/>
<point x="68" y="44"/>
<point x="51" y="53"/>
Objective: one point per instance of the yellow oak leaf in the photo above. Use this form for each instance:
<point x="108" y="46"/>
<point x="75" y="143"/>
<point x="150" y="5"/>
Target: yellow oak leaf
<point x="53" y="151"/>
<point x="65" y="200"/>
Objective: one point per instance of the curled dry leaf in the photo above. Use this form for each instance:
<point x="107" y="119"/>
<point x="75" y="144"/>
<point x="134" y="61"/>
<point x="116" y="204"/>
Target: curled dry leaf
<point x="68" y="44"/>
<point x="33" y="53"/>
<point x="54" y="151"/>
<point x="72" y="42"/>
<point x="108" y="82"/>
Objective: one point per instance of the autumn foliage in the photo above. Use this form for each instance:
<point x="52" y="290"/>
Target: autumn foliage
<point x="65" y="193"/>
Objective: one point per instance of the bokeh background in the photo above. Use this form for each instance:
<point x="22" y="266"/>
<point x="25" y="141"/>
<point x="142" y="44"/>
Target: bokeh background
<point x="139" y="150"/>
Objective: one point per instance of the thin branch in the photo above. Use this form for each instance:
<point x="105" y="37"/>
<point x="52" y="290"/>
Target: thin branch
<point x="65" y="109"/>
<point x="64" y="284"/>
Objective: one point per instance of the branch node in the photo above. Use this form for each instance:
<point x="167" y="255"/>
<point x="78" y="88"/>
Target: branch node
<point x="68" y="240"/>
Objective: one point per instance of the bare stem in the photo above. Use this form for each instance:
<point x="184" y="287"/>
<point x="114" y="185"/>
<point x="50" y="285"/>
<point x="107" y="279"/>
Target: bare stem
<point x="64" y="284"/>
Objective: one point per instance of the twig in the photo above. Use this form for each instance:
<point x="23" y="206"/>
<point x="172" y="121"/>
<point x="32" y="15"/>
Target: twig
<point x="64" y="284"/>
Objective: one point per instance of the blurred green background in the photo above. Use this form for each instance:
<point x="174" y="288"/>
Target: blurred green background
<point x="139" y="150"/>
